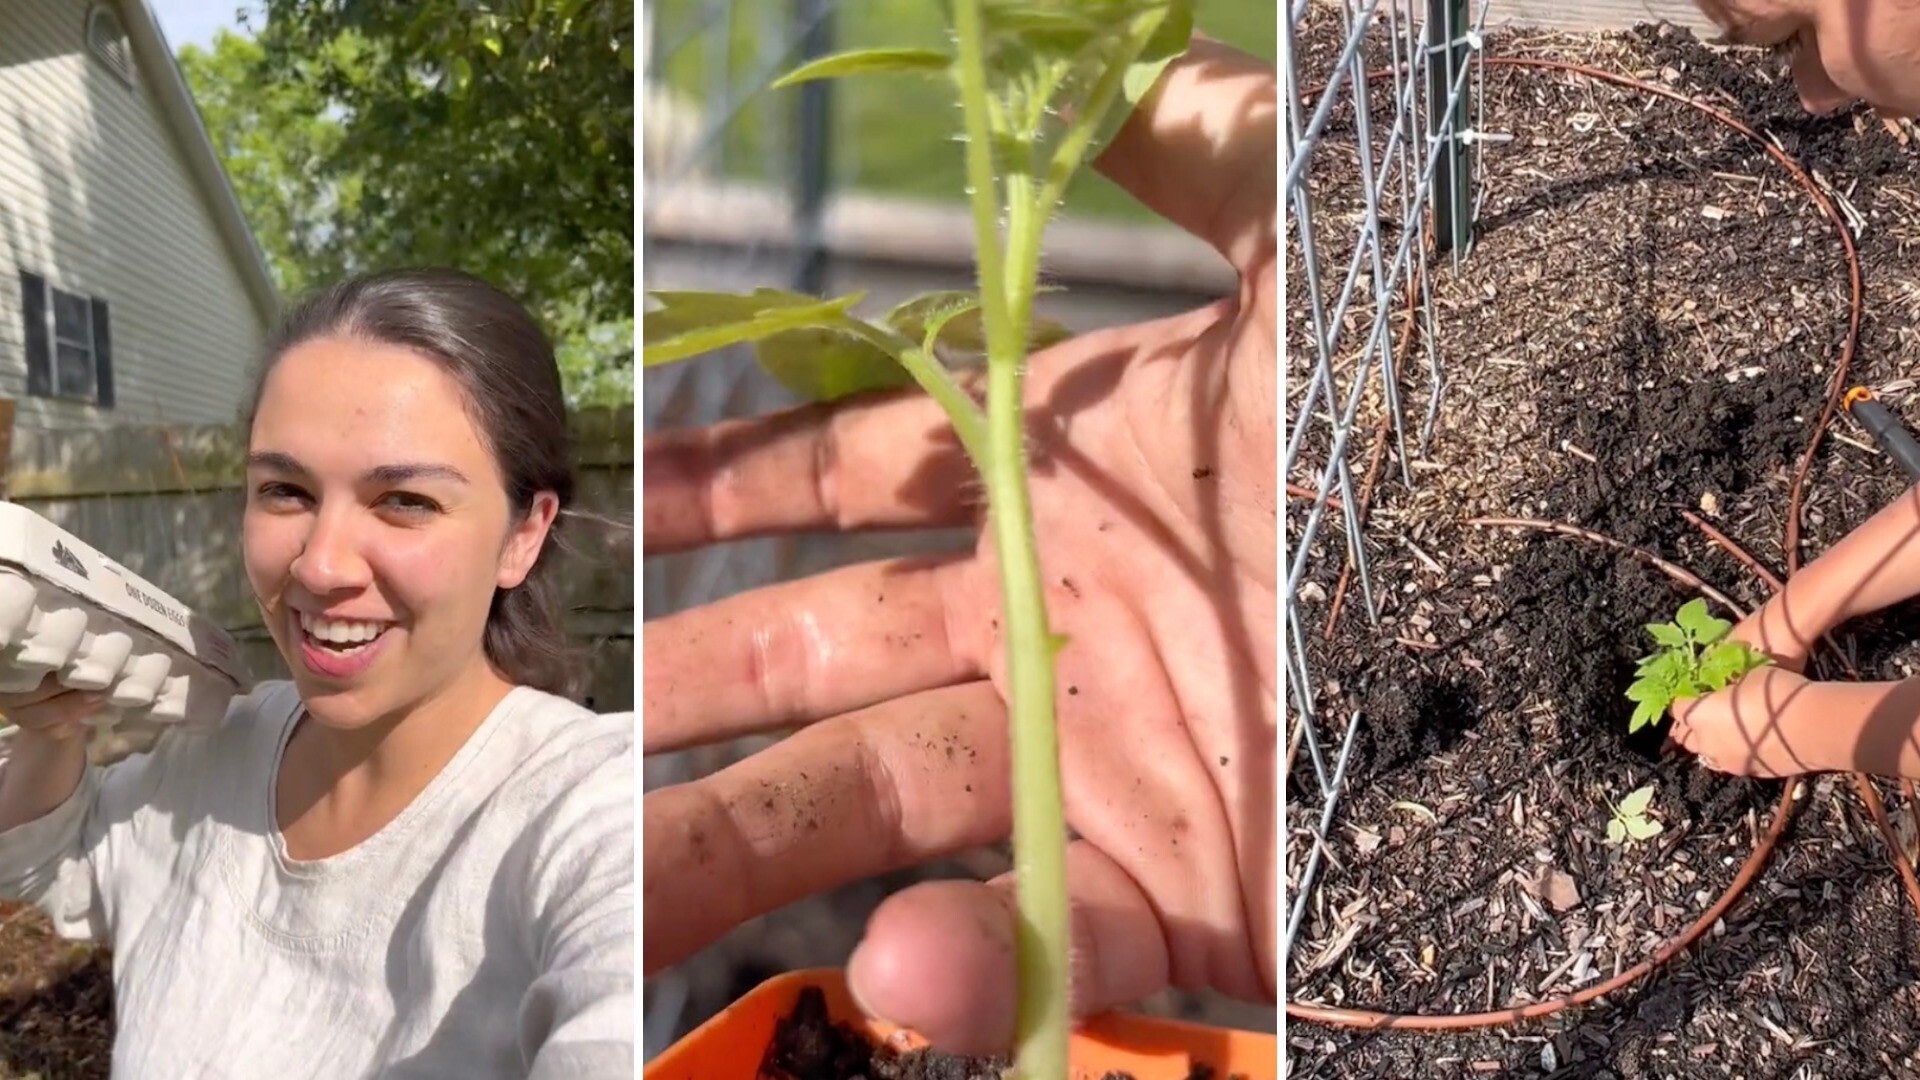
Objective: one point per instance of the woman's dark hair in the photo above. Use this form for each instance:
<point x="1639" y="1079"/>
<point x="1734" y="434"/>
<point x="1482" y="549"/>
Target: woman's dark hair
<point x="497" y="353"/>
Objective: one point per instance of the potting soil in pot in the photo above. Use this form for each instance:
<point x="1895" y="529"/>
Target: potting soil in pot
<point x="1647" y="326"/>
<point x="809" y="1045"/>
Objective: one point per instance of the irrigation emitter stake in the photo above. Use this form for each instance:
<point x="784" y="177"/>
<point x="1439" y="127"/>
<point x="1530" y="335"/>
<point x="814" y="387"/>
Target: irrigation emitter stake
<point x="1886" y="430"/>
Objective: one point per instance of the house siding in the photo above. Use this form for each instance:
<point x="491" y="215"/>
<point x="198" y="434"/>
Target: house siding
<point x="96" y="196"/>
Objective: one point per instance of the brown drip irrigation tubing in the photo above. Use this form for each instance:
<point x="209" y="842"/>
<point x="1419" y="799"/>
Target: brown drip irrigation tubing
<point x="1762" y="851"/>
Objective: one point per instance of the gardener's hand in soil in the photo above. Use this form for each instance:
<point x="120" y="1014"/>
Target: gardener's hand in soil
<point x="1154" y="498"/>
<point x="1844" y="50"/>
<point x="1764" y="725"/>
<point x="1774" y="723"/>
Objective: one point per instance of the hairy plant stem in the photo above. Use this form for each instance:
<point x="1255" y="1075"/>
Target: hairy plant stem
<point x="1039" y="818"/>
<point x="927" y="370"/>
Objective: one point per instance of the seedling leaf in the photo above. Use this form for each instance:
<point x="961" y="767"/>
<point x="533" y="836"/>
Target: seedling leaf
<point x="1728" y="661"/>
<point x="867" y="62"/>
<point x="1699" y="624"/>
<point x="952" y="318"/>
<point x="1616" y="831"/>
<point x="1636" y="802"/>
<point x="1668" y="634"/>
<point x="1681" y="668"/>
<point x="1648" y="712"/>
<point x="691" y="323"/>
<point x="822" y="363"/>
<point x="1641" y="828"/>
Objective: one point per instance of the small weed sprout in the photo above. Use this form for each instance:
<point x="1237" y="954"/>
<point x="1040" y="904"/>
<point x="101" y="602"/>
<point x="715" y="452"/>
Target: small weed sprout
<point x="1630" y="822"/>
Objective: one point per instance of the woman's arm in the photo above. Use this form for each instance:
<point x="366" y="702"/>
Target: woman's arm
<point x="1873" y="567"/>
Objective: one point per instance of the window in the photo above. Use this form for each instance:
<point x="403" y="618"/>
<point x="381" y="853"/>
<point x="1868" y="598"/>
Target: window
<point x="69" y="348"/>
<point x="108" y="42"/>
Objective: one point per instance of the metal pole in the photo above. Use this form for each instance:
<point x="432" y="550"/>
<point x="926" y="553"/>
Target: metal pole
<point x="1447" y="123"/>
<point x="813" y="152"/>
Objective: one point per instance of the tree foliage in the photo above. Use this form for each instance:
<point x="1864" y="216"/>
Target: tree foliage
<point x="491" y="135"/>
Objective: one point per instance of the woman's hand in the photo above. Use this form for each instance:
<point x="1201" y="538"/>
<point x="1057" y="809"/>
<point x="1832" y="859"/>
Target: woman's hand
<point x="50" y="711"/>
<point x="48" y="752"/>
<point x="1768" y="724"/>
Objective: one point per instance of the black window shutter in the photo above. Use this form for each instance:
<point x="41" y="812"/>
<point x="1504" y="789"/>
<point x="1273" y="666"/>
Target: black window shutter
<point x="33" y="304"/>
<point x="102" y="356"/>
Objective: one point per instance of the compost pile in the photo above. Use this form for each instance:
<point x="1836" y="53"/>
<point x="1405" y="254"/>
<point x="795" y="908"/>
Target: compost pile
<point x="1647" y="326"/>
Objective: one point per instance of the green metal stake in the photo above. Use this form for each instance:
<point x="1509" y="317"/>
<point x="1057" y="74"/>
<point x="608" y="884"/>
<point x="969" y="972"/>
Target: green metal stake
<point x="1452" y="191"/>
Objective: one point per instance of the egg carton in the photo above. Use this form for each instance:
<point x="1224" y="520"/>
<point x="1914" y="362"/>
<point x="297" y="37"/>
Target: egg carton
<point x="67" y="609"/>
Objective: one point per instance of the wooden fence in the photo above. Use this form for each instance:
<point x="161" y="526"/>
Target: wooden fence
<point x="166" y="501"/>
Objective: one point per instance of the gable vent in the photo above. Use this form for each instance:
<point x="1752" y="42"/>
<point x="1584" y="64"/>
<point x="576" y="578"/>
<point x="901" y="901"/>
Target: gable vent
<point x="108" y="42"/>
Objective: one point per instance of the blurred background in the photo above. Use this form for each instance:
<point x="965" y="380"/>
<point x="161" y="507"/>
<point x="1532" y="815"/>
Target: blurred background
<point x="852" y="185"/>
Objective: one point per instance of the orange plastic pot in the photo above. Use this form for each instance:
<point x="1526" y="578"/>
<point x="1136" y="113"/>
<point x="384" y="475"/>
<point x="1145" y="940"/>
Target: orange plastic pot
<point x="730" y="1046"/>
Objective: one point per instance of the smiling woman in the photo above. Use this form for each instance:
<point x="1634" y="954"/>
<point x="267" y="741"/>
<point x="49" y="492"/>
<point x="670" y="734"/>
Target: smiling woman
<point x="416" y="858"/>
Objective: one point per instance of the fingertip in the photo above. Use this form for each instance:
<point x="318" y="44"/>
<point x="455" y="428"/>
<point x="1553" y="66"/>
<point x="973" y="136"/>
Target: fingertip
<point x="938" y="959"/>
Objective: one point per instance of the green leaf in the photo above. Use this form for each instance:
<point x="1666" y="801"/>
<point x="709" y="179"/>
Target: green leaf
<point x="1729" y="660"/>
<point x="1648" y="712"/>
<point x="823" y="363"/>
<point x="1166" y="45"/>
<point x="1647" y="690"/>
<point x="952" y="318"/>
<point x="1637" y="801"/>
<point x="1616" y="831"/>
<point x="1701" y="625"/>
<point x="691" y="323"/>
<point x="1670" y="669"/>
<point x="1668" y="634"/>
<point x="867" y="62"/>
<point x="1642" y="828"/>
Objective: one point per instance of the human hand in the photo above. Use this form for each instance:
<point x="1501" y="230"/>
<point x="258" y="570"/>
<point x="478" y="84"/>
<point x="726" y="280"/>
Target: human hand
<point x="50" y="712"/>
<point x="1155" y="508"/>
<point x="1843" y="50"/>
<point x="1767" y="724"/>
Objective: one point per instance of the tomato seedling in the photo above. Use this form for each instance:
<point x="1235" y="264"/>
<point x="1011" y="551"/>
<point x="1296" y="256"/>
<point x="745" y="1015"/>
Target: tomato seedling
<point x="1043" y="86"/>
<point x="1694" y="658"/>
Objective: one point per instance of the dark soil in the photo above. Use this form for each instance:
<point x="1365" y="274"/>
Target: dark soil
<point x="56" y="1002"/>
<point x="808" y="1045"/>
<point x="1648" y="325"/>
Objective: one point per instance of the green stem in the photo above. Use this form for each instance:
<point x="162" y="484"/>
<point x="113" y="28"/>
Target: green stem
<point x="1066" y="160"/>
<point x="927" y="370"/>
<point x="1039" y="819"/>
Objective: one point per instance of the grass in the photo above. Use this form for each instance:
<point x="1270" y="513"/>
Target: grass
<point x="890" y="135"/>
